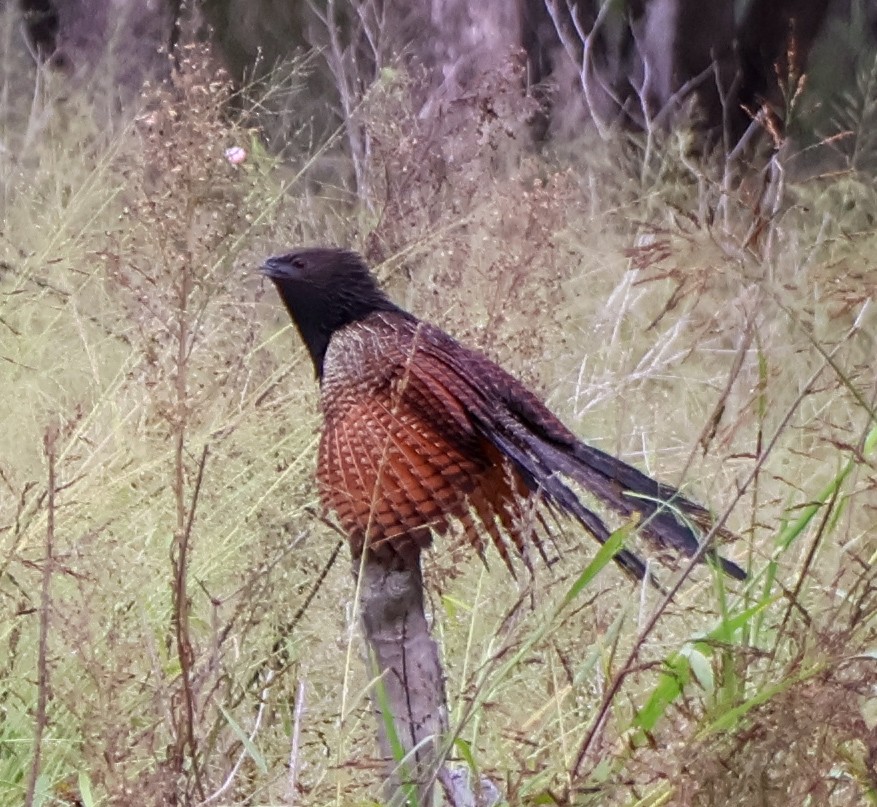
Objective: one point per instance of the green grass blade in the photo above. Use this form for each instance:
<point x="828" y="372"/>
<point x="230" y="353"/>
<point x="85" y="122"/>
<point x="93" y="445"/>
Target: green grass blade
<point x="397" y="749"/>
<point x="609" y="550"/>
<point x="678" y="672"/>
<point x="249" y="746"/>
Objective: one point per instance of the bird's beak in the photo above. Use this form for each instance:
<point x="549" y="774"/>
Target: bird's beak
<point x="272" y="268"/>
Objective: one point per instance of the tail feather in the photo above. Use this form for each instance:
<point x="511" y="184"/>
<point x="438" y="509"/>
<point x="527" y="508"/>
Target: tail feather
<point x="668" y="513"/>
<point x="543" y="451"/>
<point x="728" y="566"/>
<point x="541" y="479"/>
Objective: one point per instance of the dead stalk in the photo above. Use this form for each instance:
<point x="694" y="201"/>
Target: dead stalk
<point x="186" y="736"/>
<point x="49" y="441"/>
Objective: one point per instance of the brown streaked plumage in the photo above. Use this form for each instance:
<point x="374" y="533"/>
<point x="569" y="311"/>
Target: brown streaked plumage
<point x="420" y="430"/>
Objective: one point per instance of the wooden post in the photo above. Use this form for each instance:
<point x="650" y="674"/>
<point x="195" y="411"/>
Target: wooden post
<point x="408" y="696"/>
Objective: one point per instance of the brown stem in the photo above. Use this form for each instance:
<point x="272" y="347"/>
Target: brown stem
<point x="45" y="601"/>
<point x="186" y="737"/>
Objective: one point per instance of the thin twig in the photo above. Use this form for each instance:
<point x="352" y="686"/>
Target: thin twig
<point x="181" y="627"/>
<point x="822" y="530"/>
<point x="273" y="663"/>
<point x="257" y="724"/>
<point x="42" y="650"/>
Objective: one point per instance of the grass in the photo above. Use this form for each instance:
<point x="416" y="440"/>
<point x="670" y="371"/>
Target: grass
<point x="181" y="653"/>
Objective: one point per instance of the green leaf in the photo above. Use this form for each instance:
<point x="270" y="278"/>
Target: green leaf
<point x="249" y="746"/>
<point x="871" y="441"/>
<point x="676" y="674"/>
<point x="701" y="668"/>
<point x="613" y="545"/>
<point x="85" y="794"/>
<point x="453" y="605"/>
<point x="728" y="628"/>
<point x="465" y="752"/>
<point x="42" y="791"/>
<point x="678" y="668"/>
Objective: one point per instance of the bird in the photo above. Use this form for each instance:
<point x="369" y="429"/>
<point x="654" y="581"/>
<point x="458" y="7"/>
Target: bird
<point x="421" y="432"/>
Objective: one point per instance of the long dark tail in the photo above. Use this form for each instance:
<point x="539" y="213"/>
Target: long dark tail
<point x="667" y="516"/>
<point x="543" y="451"/>
<point x="556" y="493"/>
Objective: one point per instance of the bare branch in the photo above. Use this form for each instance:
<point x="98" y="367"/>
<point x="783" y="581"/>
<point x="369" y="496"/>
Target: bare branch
<point x="579" y="53"/>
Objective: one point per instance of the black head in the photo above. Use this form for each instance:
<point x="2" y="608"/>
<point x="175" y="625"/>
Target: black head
<point x="324" y="289"/>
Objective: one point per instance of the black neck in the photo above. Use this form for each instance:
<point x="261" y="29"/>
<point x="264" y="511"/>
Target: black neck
<point x="318" y="315"/>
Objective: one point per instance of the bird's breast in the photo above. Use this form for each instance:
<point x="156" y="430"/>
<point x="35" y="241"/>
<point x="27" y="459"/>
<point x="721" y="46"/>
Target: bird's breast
<point x="361" y="360"/>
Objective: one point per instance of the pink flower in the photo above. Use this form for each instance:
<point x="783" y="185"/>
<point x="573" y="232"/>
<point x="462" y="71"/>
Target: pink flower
<point x="235" y="155"/>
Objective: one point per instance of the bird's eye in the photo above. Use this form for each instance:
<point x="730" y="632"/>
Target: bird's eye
<point x="297" y="263"/>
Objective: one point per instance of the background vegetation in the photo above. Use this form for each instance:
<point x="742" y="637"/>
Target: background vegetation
<point x="159" y="541"/>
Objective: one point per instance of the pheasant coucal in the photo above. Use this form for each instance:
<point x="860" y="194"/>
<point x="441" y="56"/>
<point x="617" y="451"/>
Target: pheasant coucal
<point x="421" y="431"/>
